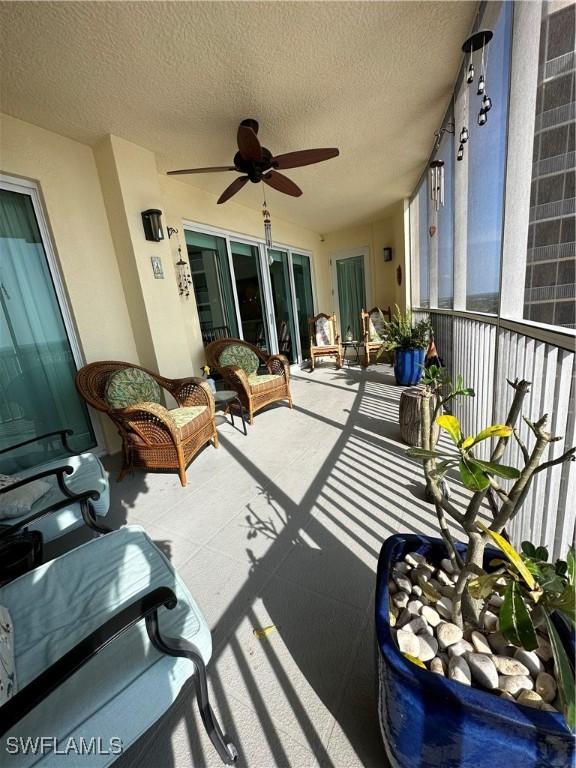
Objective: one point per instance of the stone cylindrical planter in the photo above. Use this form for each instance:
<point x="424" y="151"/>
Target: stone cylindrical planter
<point x="431" y="721"/>
<point x="408" y="366"/>
<point x="410" y="416"/>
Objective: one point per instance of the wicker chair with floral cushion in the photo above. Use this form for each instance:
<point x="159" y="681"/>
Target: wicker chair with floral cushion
<point x="238" y="363"/>
<point x="324" y="338"/>
<point x="372" y="327"/>
<point x="153" y="437"/>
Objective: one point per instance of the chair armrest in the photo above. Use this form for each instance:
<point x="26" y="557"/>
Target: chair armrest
<point x="236" y="376"/>
<point x="70" y="496"/>
<point x="193" y="391"/>
<point x="153" y="414"/>
<point x="41" y="687"/>
<point x="58" y="471"/>
<point x="278" y="364"/>
<point x="63" y="433"/>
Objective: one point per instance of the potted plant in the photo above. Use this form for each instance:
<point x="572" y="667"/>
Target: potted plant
<point x="459" y="622"/>
<point x="408" y="341"/>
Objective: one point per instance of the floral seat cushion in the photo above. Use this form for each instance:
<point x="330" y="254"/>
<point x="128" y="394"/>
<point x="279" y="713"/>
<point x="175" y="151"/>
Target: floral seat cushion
<point x="266" y="380"/>
<point x="185" y="418"/>
<point x="241" y="356"/>
<point x="131" y="386"/>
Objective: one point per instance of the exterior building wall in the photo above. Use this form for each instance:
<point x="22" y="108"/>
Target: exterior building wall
<point x="550" y="288"/>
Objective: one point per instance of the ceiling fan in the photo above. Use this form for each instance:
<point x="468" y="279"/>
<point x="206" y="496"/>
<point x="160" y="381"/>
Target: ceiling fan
<point x="259" y="164"/>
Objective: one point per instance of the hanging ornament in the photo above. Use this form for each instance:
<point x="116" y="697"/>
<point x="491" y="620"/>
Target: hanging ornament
<point x="482" y="117"/>
<point x="267" y="225"/>
<point x="460" y="155"/>
<point x="183" y="275"/>
<point x="486" y="103"/>
<point x="437" y="182"/>
<point x="481" y="86"/>
<point x="464" y="135"/>
<point x="470" y="77"/>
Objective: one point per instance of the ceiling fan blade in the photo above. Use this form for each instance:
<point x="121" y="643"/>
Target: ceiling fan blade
<point x="248" y="144"/>
<point x="282" y="183"/>
<point x="213" y="169"/>
<point x="303" y="157"/>
<point x="230" y="191"/>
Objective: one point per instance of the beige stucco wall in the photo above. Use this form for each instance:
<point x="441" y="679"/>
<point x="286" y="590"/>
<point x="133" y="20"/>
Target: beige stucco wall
<point x="66" y="173"/>
<point x="387" y="231"/>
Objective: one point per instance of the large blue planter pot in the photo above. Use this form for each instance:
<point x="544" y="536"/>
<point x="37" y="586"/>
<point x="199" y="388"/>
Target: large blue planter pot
<point x="407" y="366"/>
<point x="429" y="721"/>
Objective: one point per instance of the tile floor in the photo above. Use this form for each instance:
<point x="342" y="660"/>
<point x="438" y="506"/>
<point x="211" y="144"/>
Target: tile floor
<point x="283" y="528"/>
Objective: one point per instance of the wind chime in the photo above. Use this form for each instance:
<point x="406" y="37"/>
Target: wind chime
<point x="183" y="273"/>
<point x="267" y="227"/>
<point x="477" y="42"/>
<point x="437" y="183"/>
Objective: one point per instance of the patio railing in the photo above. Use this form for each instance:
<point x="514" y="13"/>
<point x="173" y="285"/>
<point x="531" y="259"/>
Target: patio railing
<point x="486" y="351"/>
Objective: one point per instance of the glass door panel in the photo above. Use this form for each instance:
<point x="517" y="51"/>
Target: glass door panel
<point x="250" y="290"/>
<point x="304" y="299"/>
<point x="351" y="294"/>
<point x="282" y="299"/>
<point x="212" y="283"/>
<point x="37" y="367"/>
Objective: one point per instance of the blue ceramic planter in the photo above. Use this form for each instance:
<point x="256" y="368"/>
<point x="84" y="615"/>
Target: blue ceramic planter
<point x="428" y="721"/>
<point x="407" y="366"/>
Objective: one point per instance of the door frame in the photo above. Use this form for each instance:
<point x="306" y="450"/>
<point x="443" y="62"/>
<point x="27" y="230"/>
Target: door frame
<point x="342" y="255"/>
<point x="32" y="189"/>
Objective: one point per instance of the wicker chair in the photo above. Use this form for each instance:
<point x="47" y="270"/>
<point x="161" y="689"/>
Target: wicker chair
<point x="324" y="338"/>
<point x="371" y="327"/>
<point x="153" y="437"/>
<point x="237" y="362"/>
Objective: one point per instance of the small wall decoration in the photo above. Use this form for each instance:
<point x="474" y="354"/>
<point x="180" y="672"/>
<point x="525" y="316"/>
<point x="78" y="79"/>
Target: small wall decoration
<point x="387" y="254"/>
<point x="183" y="274"/>
<point x="399" y="274"/>
<point x="432" y="230"/>
<point x="157" y="268"/>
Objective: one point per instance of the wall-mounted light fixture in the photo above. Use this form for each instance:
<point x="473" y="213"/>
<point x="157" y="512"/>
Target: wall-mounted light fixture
<point x="153" y="224"/>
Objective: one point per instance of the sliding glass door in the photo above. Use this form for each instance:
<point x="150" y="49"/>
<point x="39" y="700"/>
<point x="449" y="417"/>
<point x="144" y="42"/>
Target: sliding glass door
<point x="251" y="294"/>
<point x="208" y="257"/>
<point x="279" y="268"/>
<point x="37" y="366"/>
<point x="245" y="290"/>
<point x="304" y="299"/>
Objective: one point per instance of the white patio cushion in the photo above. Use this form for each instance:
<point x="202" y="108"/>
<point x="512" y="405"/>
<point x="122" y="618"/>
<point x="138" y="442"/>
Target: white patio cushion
<point x="88" y="474"/>
<point x="127" y="686"/>
<point x="324" y="332"/>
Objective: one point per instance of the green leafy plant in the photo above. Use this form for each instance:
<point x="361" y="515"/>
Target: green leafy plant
<point x="402" y="333"/>
<point x="532" y="588"/>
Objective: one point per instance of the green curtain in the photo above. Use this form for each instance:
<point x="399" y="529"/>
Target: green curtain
<point x="351" y="294"/>
<point x="37" y="392"/>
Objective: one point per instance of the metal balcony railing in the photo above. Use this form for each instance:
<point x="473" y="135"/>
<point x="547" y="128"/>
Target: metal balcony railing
<point x="558" y="66"/>
<point x="486" y="353"/>
<point x="557" y="116"/>
<point x="553" y="210"/>
<point x="552" y="252"/>
<point x="555" y="164"/>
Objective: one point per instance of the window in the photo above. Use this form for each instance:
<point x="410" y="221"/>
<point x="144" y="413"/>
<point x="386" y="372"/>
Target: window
<point x="445" y="224"/>
<point x="550" y="291"/>
<point x="485" y="153"/>
<point x="419" y="245"/>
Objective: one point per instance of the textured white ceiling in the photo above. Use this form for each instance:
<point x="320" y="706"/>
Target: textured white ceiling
<point x="372" y="78"/>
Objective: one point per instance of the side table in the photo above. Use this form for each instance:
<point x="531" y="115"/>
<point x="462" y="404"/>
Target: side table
<point x="223" y="398"/>
<point x="355" y="345"/>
